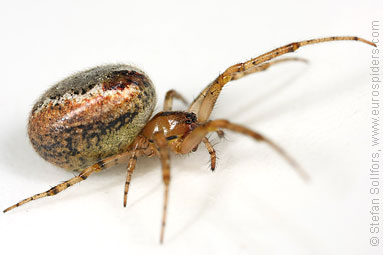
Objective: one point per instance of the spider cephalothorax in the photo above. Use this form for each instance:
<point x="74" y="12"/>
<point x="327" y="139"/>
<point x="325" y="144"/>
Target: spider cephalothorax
<point x="174" y="125"/>
<point x="94" y="118"/>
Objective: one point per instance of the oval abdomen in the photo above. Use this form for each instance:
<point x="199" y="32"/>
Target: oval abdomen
<point x="91" y="115"/>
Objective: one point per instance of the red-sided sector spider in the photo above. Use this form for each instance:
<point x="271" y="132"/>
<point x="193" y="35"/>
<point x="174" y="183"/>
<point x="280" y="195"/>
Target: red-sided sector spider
<point x="91" y="120"/>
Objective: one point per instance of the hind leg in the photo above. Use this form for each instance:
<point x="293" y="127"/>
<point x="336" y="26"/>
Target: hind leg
<point x="106" y="163"/>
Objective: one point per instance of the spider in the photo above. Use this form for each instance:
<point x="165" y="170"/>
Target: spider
<point x="102" y="116"/>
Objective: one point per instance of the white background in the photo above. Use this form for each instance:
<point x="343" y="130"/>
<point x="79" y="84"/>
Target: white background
<point x="253" y="203"/>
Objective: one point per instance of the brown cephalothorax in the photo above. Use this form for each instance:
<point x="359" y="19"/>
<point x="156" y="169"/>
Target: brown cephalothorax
<point x="93" y="119"/>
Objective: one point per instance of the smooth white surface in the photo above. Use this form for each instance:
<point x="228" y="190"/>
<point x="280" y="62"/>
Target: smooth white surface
<point x="254" y="203"/>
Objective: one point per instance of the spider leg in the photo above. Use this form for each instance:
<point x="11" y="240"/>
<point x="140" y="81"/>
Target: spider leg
<point x="263" y="67"/>
<point x="212" y="153"/>
<point x="204" y="103"/>
<point x="62" y="186"/>
<point x="101" y="165"/>
<point x="169" y="99"/>
<point x="197" y="135"/>
<point x="137" y="149"/>
<point x="131" y="167"/>
<point x="197" y="103"/>
<point x="163" y="150"/>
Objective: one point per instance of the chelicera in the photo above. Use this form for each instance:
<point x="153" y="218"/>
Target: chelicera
<point x="92" y="120"/>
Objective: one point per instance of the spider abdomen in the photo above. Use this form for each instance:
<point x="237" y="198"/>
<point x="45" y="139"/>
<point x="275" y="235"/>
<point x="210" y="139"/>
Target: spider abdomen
<point x="91" y="115"/>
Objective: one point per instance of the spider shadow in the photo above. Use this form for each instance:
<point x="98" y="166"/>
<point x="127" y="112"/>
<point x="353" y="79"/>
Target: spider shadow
<point x="310" y="99"/>
<point x="144" y="167"/>
<point x="17" y="154"/>
<point x="276" y="89"/>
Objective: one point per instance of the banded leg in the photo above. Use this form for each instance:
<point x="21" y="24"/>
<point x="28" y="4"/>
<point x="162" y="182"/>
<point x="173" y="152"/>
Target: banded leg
<point x="131" y="167"/>
<point x="62" y="186"/>
<point x="163" y="150"/>
<point x="168" y="104"/>
<point x="204" y="103"/>
<point x="103" y="164"/>
<point x="196" y="105"/>
<point x="264" y="66"/>
<point x="211" y="151"/>
<point x="197" y="135"/>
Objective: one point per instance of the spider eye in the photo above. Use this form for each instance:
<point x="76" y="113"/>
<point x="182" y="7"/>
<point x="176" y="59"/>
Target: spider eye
<point x="188" y="122"/>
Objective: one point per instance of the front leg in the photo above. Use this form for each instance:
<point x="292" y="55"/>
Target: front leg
<point x="204" y="103"/>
